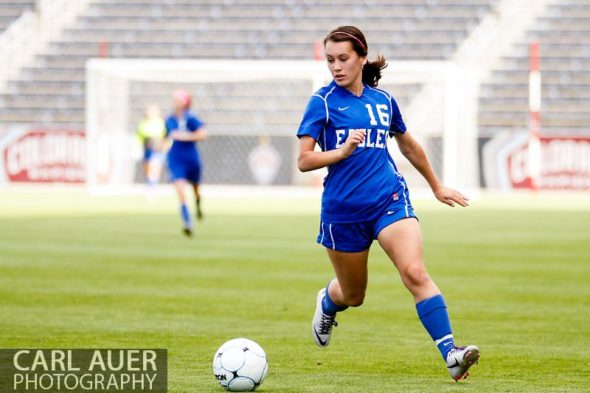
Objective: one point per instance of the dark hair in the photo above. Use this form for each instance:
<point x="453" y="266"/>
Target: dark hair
<point x="352" y="34"/>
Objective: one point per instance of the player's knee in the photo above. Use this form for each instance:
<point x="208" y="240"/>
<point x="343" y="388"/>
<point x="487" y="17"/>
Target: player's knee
<point x="415" y="275"/>
<point x="354" y="299"/>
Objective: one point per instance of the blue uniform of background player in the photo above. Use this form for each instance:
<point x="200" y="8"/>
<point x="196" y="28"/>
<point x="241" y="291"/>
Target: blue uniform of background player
<point x="365" y="197"/>
<point x="184" y="162"/>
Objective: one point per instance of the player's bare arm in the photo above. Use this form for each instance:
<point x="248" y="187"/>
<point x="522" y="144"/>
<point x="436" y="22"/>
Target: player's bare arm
<point x="186" y="136"/>
<point x="414" y="152"/>
<point x="309" y="159"/>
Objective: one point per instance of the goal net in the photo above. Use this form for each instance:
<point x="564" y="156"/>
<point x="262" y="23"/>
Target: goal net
<point x="252" y="110"/>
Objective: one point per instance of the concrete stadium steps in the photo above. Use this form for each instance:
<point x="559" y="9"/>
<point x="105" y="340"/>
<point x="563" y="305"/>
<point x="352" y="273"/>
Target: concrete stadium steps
<point x="43" y="101"/>
<point x="239" y="29"/>
<point x="368" y="3"/>
<point x="520" y="90"/>
<point x="302" y="51"/>
<point x="563" y="34"/>
<point x="47" y="88"/>
<point x="55" y="117"/>
<point x="11" y="10"/>
<point x="54" y="74"/>
<point x="289" y="25"/>
<point x="551" y="79"/>
<point x="319" y="10"/>
<point x="219" y="36"/>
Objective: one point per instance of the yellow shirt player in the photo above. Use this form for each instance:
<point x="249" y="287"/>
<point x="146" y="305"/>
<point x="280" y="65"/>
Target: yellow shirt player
<point x="151" y="133"/>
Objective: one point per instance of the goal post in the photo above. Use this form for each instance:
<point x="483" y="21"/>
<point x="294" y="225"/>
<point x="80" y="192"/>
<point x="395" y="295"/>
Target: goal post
<point x="252" y="109"/>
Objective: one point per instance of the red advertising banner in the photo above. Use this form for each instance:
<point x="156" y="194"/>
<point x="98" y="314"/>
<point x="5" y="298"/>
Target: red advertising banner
<point x="564" y="162"/>
<point x="44" y="156"/>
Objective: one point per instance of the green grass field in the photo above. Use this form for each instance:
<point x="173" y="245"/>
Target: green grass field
<point x="79" y="271"/>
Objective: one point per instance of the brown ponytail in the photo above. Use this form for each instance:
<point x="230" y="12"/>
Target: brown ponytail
<point x="372" y="69"/>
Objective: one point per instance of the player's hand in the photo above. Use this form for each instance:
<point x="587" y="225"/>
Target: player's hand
<point x="450" y="197"/>
<point x="351" y="143"/>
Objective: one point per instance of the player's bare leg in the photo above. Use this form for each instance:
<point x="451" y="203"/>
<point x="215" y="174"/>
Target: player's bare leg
<point x="402" y="241"/>
<point x="197" y="191"/>
<point x="347" y="289"/>
<point x="350" y="285"/>
<point x="154" y="170"/>
<point x="179" y="186"/>
<point x="146" y="171"/>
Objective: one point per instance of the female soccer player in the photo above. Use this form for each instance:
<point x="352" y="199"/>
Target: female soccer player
<point x="184" y="163"/>
<point x="365" y="197"/>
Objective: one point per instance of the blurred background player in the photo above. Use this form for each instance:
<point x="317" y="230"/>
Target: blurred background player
<point x="365" y="197"/>
<point x="151" y="132"/>
<point x="184" y="129"/>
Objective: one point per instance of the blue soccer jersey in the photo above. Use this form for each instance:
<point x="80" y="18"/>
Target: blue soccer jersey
<point x="183" y="149"/>
<point x="359" y="187"/>
<point x="183" y="157"/>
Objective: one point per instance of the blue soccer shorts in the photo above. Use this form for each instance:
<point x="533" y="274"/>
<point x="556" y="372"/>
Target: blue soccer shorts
<point x="358" y="236"/>
<point x="189" y="171"/>
<point x="147" y="154"/>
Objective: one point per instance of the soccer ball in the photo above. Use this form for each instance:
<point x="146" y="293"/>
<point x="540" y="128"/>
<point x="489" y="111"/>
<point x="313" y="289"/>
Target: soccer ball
<point x="240" y="365"/>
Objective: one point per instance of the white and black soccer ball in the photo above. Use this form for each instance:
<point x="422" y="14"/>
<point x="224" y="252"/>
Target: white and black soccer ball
<point x="240" y="365"/>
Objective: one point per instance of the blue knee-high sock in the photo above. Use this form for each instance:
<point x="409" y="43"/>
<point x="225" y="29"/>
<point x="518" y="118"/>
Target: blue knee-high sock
<point x="185" y="214"/>
<point x="435" y="318"/>
<point x="328" y="305"/>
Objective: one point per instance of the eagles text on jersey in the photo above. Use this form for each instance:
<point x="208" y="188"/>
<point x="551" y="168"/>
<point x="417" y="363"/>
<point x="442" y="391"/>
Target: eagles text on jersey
<point x="356" y="188"/>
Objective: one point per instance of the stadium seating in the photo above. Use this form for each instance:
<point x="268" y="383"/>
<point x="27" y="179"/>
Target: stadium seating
<point x="10" y="10"/>
<point x="52" y="90"/>
<point x="565" y="65"/>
